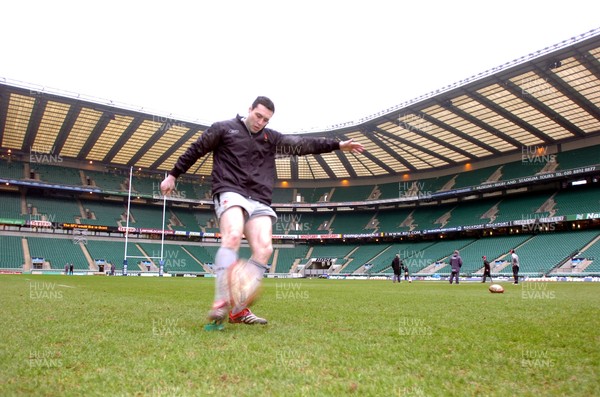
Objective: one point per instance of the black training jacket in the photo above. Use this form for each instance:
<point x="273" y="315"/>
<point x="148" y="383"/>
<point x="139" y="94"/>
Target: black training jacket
<point x="244" y="163"/>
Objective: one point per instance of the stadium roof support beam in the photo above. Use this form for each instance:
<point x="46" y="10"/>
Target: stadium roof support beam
<point x="67" y="126"/>
<point x="590" y="62"/>
<point x="163" y="157"/>
<point x="326" y="167"/>
<point x="447" y="105"/>
<point x="4" y="99"/>
<point x="545" y="110"/>
<point x="412" y="145"/>
<point x="573" y="95"/>
<point x="345" y="162"/>
<point x="34" y="122"/>
<point x="510" y="116"/>
<point x="131" y="128"/>
<point x="293" y="169"/>
<point x="95" y="134"/>
<point x="433" y="138"/>
<point x="147" y="145"/>
<point x="389" y="151"/>
<point x="483" y="125"/>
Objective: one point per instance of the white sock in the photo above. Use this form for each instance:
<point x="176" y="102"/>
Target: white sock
<point x="224" y="258"/>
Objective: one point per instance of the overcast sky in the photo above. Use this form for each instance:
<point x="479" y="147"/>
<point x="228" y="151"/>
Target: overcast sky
<point x="322" y="62"/>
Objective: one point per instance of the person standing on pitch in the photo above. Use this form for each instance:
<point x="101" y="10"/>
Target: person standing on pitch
<point x="515" y="265"/>
<point x="486" y="270"/>
<point x="404" y="267"/>
<point x="243" y="176"/>
<point x="455" y="264"/>
<point x="396" y="268"/>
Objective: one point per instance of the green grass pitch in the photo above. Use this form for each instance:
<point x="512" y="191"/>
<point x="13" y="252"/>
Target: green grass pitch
<point x="143" y="336"/>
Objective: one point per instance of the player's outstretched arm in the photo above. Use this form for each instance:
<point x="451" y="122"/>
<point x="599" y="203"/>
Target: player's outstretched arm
<point x="167" y="185"/>
<point x="351" y="146"/>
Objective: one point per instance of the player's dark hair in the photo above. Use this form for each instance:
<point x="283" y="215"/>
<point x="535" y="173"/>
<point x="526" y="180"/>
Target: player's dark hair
<point x="266" y="102"/>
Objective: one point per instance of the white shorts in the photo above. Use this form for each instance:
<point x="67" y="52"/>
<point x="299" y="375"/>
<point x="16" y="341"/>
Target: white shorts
<point x="252" y="208"/>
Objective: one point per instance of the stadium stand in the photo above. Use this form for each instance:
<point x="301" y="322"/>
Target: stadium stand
<point x="577" y="200"/>
<point x="546" y="137"/>
<point x="579" y="157"/>
<point x="103" y="212"/>
<point x="11" y="254"/>
<point x="427" y="217"/>
<point x="106" y="181"/>
<point x="207" y="221"/>
<point x="146" y="216"/>
<point x="315" y="195"/>
<point x="283" y="195"/>
<point x="333" y="251"/>
<point x="112" y="252"/>
<point x="10" y="205"/>
<point x="11" y="169"/>
<point x="544" y="251"/>
<point x="363" y="254"/>
<point x="184" y="216"/>
<point x="58" y="251"/>
<point x="392" y="220"/>
<point x="592" y="254"/>
<point x="468" y="213"/>
<point x="351" y="193"/>
<point x="203" y="253"/>
<point x="357" y="222"/>
<point x="56" y="174"/>
<point x="54" y="209"/>
<point x="174" y="257"/>
<point x="473" y="178"/>
<point x="522" y="207"/>
<point x="519" y="169"/>
<point x="287" y="256"/>
<point x="387" y="191"/>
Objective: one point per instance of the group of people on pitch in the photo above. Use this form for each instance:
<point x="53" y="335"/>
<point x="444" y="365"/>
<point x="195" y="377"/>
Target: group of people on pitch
<point x="456" y="263"/>
<point x="398" y="267"/>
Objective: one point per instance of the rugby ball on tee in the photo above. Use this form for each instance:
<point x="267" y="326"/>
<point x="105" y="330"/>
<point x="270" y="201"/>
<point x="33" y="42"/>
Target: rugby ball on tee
<point x="496" y="289"/>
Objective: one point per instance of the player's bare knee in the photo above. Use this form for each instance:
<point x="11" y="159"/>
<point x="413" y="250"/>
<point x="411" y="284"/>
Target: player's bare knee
<point x="264" y="253"/>
<point x="231" y="239"/>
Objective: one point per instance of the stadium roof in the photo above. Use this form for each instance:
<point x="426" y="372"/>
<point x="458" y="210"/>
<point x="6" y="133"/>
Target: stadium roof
<point x="545" y="98"/>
